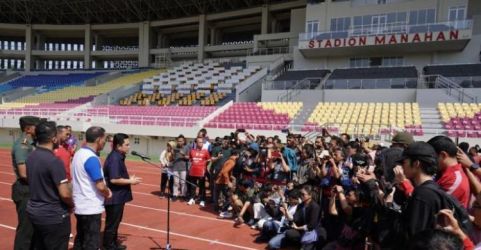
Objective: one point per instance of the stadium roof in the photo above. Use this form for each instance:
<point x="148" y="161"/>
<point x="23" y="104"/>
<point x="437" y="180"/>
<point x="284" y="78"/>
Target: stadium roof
<point x="114" y="11"/>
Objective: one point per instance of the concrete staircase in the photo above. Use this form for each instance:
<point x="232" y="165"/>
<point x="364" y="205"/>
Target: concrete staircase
<point x="304" y="114"/>
<point x="431" y="120"/>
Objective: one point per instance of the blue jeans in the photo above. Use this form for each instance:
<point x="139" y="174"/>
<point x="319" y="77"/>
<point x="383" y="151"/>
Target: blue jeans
<point x="276" y="242"/>
<point x="270" y="228"/>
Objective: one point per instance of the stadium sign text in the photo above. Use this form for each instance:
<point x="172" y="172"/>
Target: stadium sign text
<point x="384" y="39"/>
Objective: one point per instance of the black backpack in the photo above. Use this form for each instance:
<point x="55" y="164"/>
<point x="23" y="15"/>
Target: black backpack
<point x="459" y="211"/>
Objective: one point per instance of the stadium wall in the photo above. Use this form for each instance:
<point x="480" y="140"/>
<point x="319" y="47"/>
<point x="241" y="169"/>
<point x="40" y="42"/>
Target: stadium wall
<point x="324" y="12"/>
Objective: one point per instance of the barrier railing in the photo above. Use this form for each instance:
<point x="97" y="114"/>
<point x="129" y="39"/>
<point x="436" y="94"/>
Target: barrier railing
<point x="269" y="51"/>
<point x="392" y="83"/>
<point x="306" y="83"/>
<point x="452" y="88"/>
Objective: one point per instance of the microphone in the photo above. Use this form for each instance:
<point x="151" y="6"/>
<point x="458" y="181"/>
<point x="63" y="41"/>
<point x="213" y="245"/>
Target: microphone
<point x="141" y="156"/>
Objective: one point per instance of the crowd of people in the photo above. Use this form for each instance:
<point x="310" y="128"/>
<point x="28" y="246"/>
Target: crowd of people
<point x="335" y="192"/>
<point x="55" y="179"/>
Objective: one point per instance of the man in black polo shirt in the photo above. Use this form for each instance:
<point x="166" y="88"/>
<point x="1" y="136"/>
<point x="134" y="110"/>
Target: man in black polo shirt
<point x="50" y="196"/>
<point x="119" y="181"/>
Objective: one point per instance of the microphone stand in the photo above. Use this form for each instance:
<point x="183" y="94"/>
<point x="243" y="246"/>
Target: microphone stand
<point x="169" y="174"/>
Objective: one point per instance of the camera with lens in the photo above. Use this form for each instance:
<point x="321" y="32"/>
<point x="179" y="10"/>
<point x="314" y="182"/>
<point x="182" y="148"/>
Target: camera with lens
<point x="263" y="152"/>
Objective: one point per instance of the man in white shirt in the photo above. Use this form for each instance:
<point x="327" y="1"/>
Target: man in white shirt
<point x="89" y="189"/>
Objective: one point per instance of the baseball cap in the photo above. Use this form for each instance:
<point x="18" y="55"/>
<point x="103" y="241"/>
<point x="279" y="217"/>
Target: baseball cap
<point x="420" y="151"/>
<point x="360" y="160"/>
<point x="403" y="138"/>
<point x="254" y="146"/>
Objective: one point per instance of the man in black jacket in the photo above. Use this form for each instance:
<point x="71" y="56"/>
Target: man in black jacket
<point x="419" y="163"/>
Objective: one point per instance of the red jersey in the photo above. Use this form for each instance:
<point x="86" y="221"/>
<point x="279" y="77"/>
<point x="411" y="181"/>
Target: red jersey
<point x="199" y="159"/>
<point x="455" y="182"/>
<point x="66" y="157"/>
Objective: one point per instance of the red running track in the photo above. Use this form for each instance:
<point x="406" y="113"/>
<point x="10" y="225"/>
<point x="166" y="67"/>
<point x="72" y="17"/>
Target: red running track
<point x="144" y="222"/>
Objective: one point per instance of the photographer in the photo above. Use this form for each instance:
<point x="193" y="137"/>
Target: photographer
<point x="305" y="226"/>
<point x="352" y="148"/>
<point x="267" y="203"/>
<point x="320" y="147"/>
<point x="290" y="154"/>
<point x="279" y="171"/>
<point x="330" y="172"/>
<point x="276" y="226"/>
<point x="251" y="167"/>
<point x="308" y="159"/>
<point x="474" y="154"/>
<point x="345" y="206"/>
<point x="242" y="202"/>
<point x="263" y="166"/>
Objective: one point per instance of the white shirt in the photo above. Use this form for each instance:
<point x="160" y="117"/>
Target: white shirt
<point x="86" y="169"/>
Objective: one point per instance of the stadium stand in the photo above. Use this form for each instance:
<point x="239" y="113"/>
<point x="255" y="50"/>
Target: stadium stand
<point x="370" y="78"/>
<point x="461" y="119"/>
<point x="76" y="92"/>
<point x="159" y="99"/>
<point x="188" y="83"/>
<point x="48" y="82"/>
<point x="213" y="99"/>
<point x="260" y="116"/>
<point x="365" y="118"/>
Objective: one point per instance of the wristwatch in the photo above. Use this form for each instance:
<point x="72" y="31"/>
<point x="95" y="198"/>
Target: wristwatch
<point x="474" y="167"/>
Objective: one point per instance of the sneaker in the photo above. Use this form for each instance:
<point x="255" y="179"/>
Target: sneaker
<point x="251" y="222"/>
<point x="261" y="239"/>
<point x="202" y="204"/>
<point x="237" y="222"/>
<point x="226" y="215"/>
<point x="191" y="202"/>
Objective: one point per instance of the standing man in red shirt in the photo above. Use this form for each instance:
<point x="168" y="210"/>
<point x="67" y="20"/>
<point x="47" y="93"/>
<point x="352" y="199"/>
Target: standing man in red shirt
<point x="199" y="157"/>
<point x="61" y="152"/>
<point x="451" y="177"/>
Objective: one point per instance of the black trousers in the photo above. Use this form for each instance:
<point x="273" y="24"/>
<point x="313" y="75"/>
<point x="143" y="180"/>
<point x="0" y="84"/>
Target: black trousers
<point x="24" y="231"/>
<point x="88" y="232"/>
<point x="114" y="214"/>
<point x="224" y="190"/>
<point x="200" y="181"/>
<point x="52" y="236"/>
<point x="214" y="195"/>
<point x="293" y="237"/>
<point x="163" y="183"/>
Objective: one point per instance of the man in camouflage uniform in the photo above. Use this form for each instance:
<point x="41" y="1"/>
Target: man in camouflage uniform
<point x="20" y="192"/>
